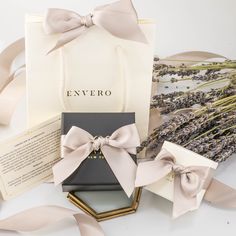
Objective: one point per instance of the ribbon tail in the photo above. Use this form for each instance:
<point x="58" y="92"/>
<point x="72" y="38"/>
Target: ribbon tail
<point x="10" y="97"/>
<point x="40" y="217"/>
<point x="67" y="37"/>
<point x="220" y="194"/>
<point x="123" y="167"/>
<point x="88" y="226"/>
<point x="182" y="203"/>
<point x="67" y="166"/>
<point x="12" y="86"/>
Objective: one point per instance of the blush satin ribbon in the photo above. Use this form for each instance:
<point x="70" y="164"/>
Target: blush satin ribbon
<point x="78" y="144"/>
<point x="40" y="217"/>
<point x="188" y="181"/>
<point x="12" y="85"/>
<point x="118" y="18"/>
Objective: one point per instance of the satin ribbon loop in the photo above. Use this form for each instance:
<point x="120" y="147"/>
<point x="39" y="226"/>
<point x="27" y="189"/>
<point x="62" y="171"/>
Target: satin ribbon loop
<point x="188" y="181"/>
<point x="78" y="144"/>
<point x="119" y="19"/>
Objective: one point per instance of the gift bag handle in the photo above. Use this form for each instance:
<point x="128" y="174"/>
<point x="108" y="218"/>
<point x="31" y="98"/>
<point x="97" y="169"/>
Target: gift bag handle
<point x="123" y="71"/>
<point x="123" y="68"/>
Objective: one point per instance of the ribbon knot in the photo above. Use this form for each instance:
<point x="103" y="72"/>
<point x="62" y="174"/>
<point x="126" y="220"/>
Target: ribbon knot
<point x="118" y="18"/>
<point x="116" y="149"/>
<point x="87" y="20"/>
<point x="188" y="181"/>
<point x="99" y="142"/>
<point x="178" y="169"/>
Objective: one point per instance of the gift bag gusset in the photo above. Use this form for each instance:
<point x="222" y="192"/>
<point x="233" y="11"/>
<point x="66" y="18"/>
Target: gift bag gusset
<point x="101" y="62"/>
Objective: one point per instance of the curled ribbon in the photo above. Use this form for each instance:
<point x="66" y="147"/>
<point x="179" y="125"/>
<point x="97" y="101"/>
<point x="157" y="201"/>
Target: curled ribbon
<point x="78" y="144"/>
<point x="40" y="217"/>
<point x="188" y="181"/>
<point x="12" y="84"/>
<point x="118" y="18"/>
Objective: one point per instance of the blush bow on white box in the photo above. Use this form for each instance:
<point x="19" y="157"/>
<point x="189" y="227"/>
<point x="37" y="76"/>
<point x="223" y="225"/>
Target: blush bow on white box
<point x="178" y="175"/>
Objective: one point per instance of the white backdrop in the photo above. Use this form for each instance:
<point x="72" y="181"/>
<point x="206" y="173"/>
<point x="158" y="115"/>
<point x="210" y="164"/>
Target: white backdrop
<point x="182" y="25"/>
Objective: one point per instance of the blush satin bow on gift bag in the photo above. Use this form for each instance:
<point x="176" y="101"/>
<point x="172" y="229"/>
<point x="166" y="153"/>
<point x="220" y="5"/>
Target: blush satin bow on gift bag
<point x="100" y="62"/>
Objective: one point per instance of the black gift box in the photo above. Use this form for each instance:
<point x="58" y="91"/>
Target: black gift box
<point x="94" y="173"/>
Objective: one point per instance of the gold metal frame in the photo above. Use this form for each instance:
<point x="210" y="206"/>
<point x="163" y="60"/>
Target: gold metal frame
<point x="108" y="214"/>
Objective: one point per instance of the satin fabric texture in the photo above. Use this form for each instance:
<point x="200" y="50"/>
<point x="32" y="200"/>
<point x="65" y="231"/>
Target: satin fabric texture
<point x="118" y="18"/>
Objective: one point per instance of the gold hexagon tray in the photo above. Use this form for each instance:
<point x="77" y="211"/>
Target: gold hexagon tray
<point x="101" y="216"/>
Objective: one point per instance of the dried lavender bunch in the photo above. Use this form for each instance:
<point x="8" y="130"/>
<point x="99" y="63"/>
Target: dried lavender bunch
<point x="208" y="76"/>
<point x="210" y="130"/>
<point x="225" y="153"/>
<point x="181" y="71"/>
<point x="215" y="146"/>
<point x="194" y="128"/>
<point x="197" y="142"/>
<point x="169" y="96"/>
<point x="176" y="122"/>
<point x="209" y="71"/>
<point x="218" y="124"/>
<point x="221" y="128"/>
<point x="185" y="101"/>
<point x="174" y="101"/>
<point x="210" y="146"/>
<point x="166" y="128"/>
<point x="184" y="128"/>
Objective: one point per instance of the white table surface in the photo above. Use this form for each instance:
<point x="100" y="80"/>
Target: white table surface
<point x="182" y="25"/>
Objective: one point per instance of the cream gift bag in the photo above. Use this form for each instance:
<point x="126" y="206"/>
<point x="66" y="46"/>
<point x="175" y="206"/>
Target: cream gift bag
<point x="95" y="72"/>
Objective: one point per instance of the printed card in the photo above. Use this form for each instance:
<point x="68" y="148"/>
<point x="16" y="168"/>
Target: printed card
<point x="27" y="160"/>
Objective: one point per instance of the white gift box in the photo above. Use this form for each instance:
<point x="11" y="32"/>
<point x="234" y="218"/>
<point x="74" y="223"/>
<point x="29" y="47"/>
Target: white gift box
<point x="184" y="157"/>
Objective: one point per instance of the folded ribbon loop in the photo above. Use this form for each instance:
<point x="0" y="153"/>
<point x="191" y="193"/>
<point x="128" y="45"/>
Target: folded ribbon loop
<point x="78" y="144"/>
<point x="188" y="181"/>
<point x="118" y="18"/>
